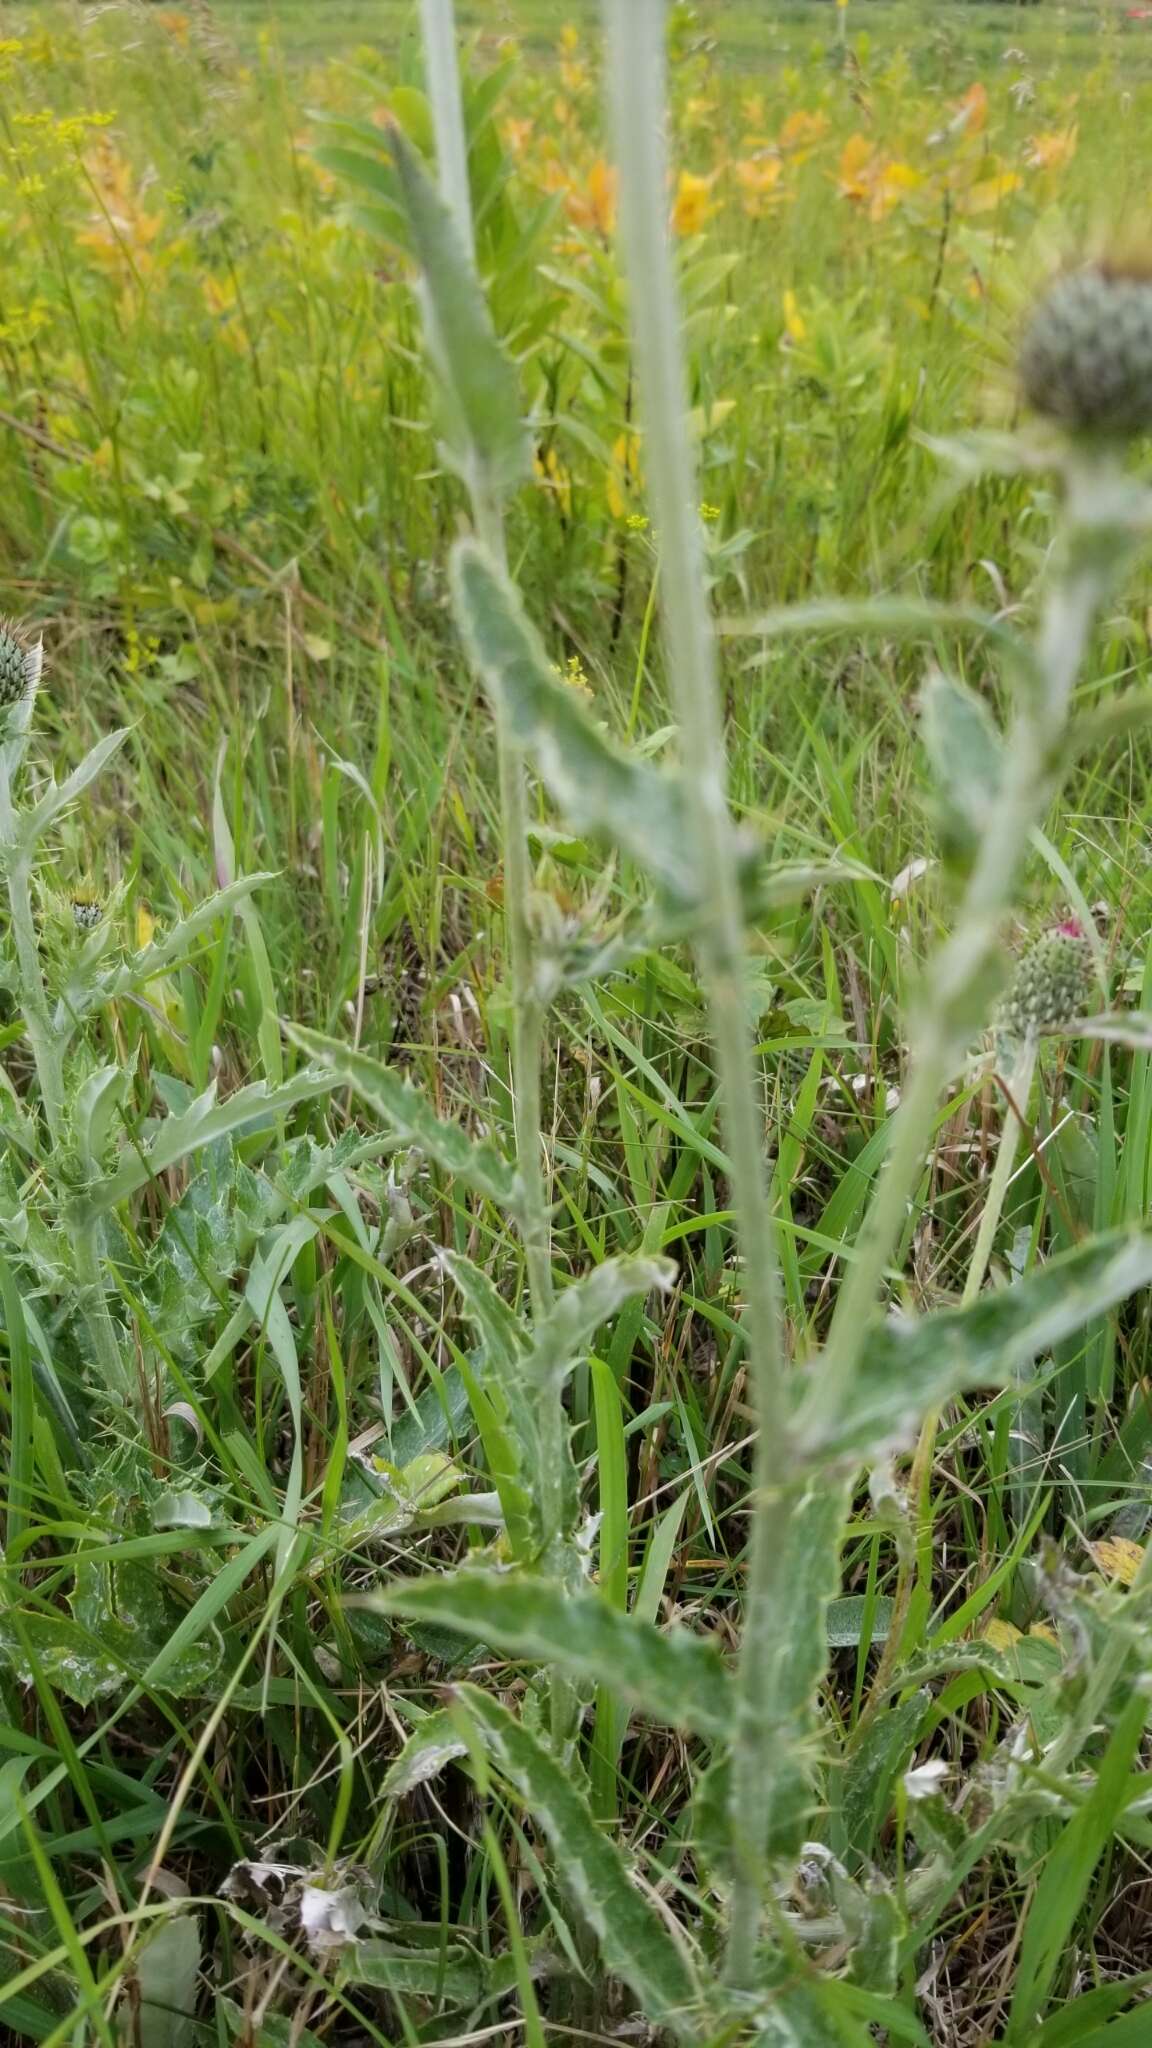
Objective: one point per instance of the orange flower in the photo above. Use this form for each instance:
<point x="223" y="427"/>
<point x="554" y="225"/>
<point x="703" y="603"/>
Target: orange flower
<point x="1052" y="152"/>
<point x="852" y="177"/>
<point x="802" y="129"/>
<point x="595" y="207"/>
<point x="972" y="112"/>
<point x="758" y="176"/>
<point x="121" y="232"/>
<point x="871" y="180"/>
<point x="693" y="203"/>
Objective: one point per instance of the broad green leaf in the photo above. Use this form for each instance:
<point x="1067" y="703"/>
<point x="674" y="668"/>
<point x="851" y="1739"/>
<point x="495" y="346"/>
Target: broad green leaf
<point x="126" y="1610"/>
<point x="452" y="1975"/>
<point x="485" y="426"/>
<point x="597" y="785"/>
<point x="678" y="1678"/>
<point x="914" y="1363"/>
<point x="64" y="1654"/>
<point x="475" y="1161"/>
<point x="503" y="1337"/>
<point x="965" y="754"/>
<point x="428" y="1750"/>
<point x="96" y="1108"/>
<point x="178" y="1137"/>
<point x="167" y="1970"/>
<point x="846" y="1618"/>
<point x="862" y="1783"/>
<point x="636" y="1941"/>
<point x="563" y="1338"/>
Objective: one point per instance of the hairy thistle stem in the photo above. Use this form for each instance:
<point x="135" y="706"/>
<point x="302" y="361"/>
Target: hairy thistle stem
<point x="636" y="62"/>
<point x="1100" y="522"/>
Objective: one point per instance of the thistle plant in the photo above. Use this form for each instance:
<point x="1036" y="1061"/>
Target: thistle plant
<point x="62" y="967"/>
<point x="769" y="1787"/>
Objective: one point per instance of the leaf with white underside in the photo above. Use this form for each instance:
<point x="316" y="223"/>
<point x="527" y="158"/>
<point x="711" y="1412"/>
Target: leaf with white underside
<point x="966" y="756"/>
<point x="475" y="1161"/>
<point x="598" y="786"/>
<point x="429" y="1749"/>
<point x="484" y="424"/>
<point x="678" y="1678"/>
<point x="167" y="1980"/>
<point x="1132" y="1028"/>
<point x="912" y="1363"/>
<point x="205" y="1120"/>
<point x="636" y="1941"/>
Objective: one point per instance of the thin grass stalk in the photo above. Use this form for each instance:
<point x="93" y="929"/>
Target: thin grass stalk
<point x="637" y="80"/>
<point x="1097" y="531"/>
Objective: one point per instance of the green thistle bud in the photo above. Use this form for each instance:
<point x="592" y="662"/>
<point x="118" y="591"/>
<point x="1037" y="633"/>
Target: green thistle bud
<point x="86" y="912"/>
<point x="1052" y="987"/>
<point x="1086" y="357"/>
<point x="19" y="665"/>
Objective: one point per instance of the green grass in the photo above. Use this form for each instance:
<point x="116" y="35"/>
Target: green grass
<point x="223" y="504"/>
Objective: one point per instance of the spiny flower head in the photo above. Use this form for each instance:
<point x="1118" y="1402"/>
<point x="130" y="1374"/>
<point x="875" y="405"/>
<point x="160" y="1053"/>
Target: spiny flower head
<point x="1086" y="357"/>
<point x="1053" y="984"/>
<point x="19" y="665"/>
<point x="87" y="910"/>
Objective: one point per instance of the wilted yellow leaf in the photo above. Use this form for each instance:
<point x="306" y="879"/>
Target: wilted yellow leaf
<point x="1001" y="1634"/>
<point x="988" y="193"/>
<point x="1118" y="1558"/>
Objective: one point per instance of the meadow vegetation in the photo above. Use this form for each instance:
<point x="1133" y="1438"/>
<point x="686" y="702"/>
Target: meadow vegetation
<point x="377" y="1445"/>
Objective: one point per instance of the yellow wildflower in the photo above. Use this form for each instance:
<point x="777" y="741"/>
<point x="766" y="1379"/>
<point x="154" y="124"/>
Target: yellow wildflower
<point x="624" y="474"/>
<point x="693" y="203"/>
<point x="794" y="325"/>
